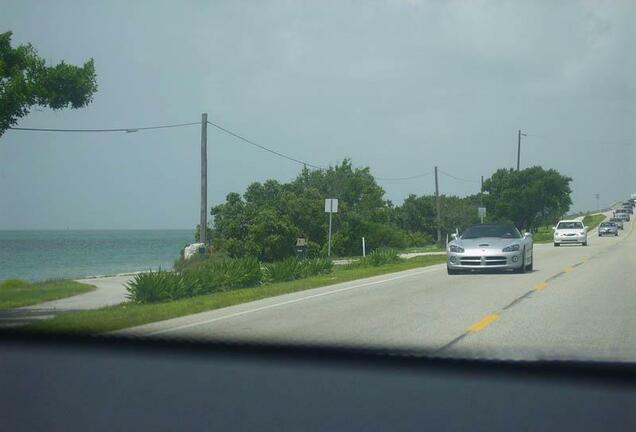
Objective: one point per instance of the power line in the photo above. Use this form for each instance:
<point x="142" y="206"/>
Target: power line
<point x="127" y="130"/>
<point x="458" y="178"/>
<point x="227" y="131"/>
<point x="404" y="178"/>
<point x="234" y="134"/>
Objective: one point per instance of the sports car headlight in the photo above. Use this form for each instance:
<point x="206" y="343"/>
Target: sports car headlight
<point x="511" y="248"/>
<point x="455" y="248"/>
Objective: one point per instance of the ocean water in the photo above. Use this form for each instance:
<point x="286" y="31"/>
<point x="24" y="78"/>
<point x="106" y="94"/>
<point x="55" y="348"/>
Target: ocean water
<point x="39" y="255"/>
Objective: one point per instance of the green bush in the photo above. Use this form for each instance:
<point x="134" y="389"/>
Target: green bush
<point x="317" y="266"/>
<point x="215" y="274"/>
<point x="181" y="264"/>
<point x="219" y="275"/>
<point x="13" y="283"/>
<point x="294" y="268"/>
<point x="379" y="257"/>
<point x="154" y="286"/>
<point x="419" y="239"/>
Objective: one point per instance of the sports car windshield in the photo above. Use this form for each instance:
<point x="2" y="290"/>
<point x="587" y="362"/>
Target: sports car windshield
<point x="570" y="225"/>
<point x="492" y="231"/>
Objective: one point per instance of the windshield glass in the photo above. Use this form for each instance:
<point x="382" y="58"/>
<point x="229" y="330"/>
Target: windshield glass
<point x="299" y="172"/>
<point x="570" y="225"/>
<point x="493" y="231"/>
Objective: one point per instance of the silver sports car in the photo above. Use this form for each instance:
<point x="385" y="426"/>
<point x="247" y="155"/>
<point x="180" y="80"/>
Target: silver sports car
<point x="490" y="247"/>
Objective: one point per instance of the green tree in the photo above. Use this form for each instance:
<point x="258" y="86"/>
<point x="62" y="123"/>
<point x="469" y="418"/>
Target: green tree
<point x="458" y="213"/>
<point x="26" y="81"/>
<point x="417" y="214"/>
<point x="528" y="198"/>
<point x="267" y="219"/>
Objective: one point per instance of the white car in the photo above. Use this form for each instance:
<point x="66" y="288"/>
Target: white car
<point x="570" y="231"/>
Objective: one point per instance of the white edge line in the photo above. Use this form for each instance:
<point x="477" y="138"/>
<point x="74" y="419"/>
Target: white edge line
<point x="234" y="315"/>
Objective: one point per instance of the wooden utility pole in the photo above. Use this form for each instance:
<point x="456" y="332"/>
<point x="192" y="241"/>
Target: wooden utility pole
<point x="439" y="217"/>
<point x="519" y="135"/>
<point x="203" y="223"/>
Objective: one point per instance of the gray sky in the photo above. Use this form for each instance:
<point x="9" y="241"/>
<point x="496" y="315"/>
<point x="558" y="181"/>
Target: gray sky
<point x="400" y="86"/>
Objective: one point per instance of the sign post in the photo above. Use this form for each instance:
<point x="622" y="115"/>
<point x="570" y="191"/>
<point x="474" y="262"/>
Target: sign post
<point x="482" y="213"/>
<point x="364" y="248"/>
<point x="331" y="206"/>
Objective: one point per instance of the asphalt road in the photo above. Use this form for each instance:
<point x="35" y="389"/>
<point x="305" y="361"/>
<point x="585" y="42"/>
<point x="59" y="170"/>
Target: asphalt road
<point x="579" y="302"/>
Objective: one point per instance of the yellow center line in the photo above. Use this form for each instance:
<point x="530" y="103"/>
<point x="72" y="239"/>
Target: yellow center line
<point x="540" y="286"/>
<point x="483" y="323"/>
<point x="568" y="269"/>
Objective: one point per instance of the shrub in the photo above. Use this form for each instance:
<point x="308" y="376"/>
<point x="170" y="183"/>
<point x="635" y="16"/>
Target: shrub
<point x="317" y="266"/>
<point x="285" y="270"/>
<point x="153" y="287"/>
<point x="181" y="264"/>
<point x="222" y="274"/>
<point x="294" y="268"/>
<point x="418" y="239"/>
<point x="215" y="274"/>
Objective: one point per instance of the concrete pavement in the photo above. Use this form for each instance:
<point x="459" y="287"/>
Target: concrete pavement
<point x="579" y="302"/>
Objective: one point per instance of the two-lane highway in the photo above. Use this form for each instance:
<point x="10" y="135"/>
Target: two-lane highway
<point x="578" y="302"/>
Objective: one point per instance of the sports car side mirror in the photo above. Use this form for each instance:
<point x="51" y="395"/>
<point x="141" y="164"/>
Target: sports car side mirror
<point x="454" y="236"/>
<point x="527" y="234"/>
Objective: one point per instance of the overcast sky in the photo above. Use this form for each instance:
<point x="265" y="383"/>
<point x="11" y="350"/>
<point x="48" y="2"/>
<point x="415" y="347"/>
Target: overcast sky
<point x="399" y="86"/>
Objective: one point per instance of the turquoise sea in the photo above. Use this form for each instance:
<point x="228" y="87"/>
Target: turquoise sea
<point x="39" y="255"/>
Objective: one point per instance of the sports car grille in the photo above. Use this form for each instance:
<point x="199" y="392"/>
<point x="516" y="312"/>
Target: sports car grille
<point x="483" y="261"/>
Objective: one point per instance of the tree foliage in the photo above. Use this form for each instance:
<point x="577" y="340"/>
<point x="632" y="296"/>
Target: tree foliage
<point x="528" y="198"/>
<point x="26" y="81"/>
<point x="268" y="218"/>
<point x="265" y="221"/>
<point x="418" y="214"/>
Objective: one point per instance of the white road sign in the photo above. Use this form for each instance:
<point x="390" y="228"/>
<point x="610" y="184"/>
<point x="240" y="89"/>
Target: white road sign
<point x="331" y="205"/>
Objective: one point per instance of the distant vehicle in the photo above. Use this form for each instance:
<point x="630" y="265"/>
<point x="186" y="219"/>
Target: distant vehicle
<point x="623" y="216"/>
<point x="607" y="228"/>
<point x="570" y="232"/>
<point x="618" y="222"/>
<point x="629" y="209"/>
<point x="490" y="247"/>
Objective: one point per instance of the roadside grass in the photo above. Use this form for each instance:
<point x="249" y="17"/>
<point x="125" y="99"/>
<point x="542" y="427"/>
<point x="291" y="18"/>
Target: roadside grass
<point x="129" y="315"/>
<point x="17" y="293"/>
<point x="592" y="221"/>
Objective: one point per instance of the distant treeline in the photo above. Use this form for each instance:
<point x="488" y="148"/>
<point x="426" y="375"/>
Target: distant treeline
<point x="268" y="218"/>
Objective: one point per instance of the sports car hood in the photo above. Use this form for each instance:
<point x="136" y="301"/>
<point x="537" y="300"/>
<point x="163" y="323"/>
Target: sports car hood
<point x="486" y="243"/>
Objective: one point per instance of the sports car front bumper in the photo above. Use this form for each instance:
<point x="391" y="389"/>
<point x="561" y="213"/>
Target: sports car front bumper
<point x="484" y="260"/>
